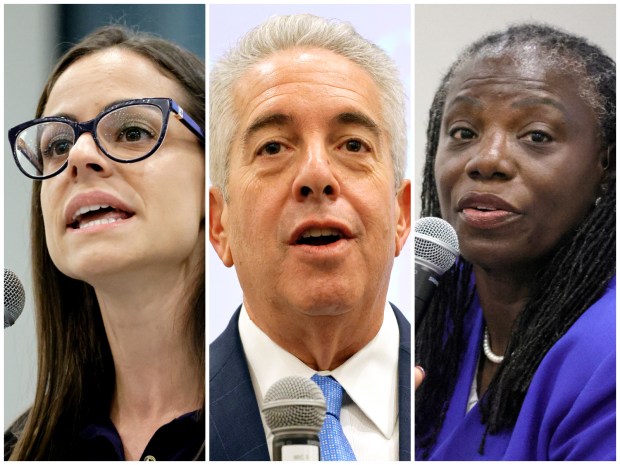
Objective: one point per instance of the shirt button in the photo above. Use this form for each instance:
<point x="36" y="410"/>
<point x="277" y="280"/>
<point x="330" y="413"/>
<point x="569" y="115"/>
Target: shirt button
<point x="150" y="458"/>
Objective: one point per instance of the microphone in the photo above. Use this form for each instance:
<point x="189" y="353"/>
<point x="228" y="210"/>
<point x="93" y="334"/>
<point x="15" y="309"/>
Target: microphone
<point x="436" y="249"/>
<point x="14" y="298"/>
<point x="294" y="409"/>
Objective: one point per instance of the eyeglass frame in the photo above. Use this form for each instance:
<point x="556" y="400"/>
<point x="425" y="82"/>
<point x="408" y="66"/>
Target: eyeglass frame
<point x="166" y="105"/>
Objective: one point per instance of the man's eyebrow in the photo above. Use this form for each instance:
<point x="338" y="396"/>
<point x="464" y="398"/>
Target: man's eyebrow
<point x="357" y="118"/>
<point x="275" y="119"/>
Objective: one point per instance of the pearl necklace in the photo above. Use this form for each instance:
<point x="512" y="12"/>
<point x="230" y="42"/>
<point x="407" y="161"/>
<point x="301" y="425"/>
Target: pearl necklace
<point x="486" y="346"/>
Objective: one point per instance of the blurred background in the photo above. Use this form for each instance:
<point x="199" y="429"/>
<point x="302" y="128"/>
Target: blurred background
<point x="35" y="36"/>
<point x="388" y="26"/>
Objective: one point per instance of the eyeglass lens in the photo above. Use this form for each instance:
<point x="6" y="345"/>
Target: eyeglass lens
<point x="126" y="133"/>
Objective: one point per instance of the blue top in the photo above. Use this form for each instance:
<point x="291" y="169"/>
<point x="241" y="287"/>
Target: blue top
<point x="569" y="411"/>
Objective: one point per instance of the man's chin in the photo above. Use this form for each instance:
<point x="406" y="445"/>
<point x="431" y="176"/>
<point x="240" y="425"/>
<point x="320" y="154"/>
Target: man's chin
<point x="326" y="303"/>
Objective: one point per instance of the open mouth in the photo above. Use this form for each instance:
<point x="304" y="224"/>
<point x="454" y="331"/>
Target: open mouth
<point x="94" y="215"/>
<point x="320" y="236"/>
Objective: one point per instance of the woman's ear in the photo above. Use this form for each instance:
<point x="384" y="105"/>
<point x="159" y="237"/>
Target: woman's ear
<point x="218" y="219"/>
<point x="608" y="159"/>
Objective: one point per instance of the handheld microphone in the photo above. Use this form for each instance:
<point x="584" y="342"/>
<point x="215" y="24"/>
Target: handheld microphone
<point x="14" y="298"/>
<point x="294" y="409"/>
<point x="436" y="250"/>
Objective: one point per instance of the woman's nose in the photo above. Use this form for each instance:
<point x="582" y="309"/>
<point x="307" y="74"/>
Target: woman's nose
<point x="492" y="158"/>
<point x="85" y="158"/>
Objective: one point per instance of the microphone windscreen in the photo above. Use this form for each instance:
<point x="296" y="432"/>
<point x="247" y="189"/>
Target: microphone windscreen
<point x="294" y="402"/>
<point x="14" y="298"/>
<point x="436" y="243"/>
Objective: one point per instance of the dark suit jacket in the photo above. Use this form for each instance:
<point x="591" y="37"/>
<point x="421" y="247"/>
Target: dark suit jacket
<point x="236" y="429"/>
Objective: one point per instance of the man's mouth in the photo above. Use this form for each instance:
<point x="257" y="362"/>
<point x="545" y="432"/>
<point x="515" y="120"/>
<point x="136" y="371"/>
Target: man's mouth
<point x="319" y="236"/>
<point x="94" y="215"/>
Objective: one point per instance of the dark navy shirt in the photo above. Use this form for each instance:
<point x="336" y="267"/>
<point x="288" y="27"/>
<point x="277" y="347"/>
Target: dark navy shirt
<point x="181" y="439"/>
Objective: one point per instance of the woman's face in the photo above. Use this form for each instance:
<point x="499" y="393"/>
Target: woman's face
<point x="519" y="160"/>
<point x="157" y="204"/>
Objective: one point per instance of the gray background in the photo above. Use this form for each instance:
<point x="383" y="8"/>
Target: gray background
<point x="442" y="31"/>
<point x="34" y="37"/>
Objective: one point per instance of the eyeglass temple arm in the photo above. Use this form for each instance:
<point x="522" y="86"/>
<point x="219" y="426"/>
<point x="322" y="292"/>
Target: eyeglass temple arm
<point x="187" y="120"/>
<point x="32" y="158"/>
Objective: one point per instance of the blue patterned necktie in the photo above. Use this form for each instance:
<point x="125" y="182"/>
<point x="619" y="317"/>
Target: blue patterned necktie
<point x="334" y="444"/>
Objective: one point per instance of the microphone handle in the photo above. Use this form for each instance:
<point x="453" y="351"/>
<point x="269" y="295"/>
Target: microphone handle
<point x="296" y="446"/>
<point x="426" y="282"/>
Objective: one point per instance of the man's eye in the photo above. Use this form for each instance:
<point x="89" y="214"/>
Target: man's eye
<point x="355" y="146"/>
<point x="270" y="148"/>
<point x="462" y="134"/>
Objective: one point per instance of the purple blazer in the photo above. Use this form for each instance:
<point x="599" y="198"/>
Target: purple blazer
<point x="569" y="412"/>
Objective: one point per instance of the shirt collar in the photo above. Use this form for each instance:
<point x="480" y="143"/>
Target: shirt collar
<point x="370" y="377"/>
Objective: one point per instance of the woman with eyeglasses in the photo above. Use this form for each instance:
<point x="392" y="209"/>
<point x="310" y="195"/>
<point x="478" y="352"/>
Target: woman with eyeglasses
<point x="117" y="154"/>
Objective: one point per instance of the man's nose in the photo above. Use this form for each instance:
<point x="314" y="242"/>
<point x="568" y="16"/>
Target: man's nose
<point x="493" y="158"/>
<point x="315" y="177"/>
<point x="85" y="157"/>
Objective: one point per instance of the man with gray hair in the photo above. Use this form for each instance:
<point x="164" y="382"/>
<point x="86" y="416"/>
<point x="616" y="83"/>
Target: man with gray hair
<point x="307" y="154"/>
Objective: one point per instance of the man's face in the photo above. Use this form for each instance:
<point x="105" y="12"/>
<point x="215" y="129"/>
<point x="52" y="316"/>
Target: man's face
<point x="312" y="221"/>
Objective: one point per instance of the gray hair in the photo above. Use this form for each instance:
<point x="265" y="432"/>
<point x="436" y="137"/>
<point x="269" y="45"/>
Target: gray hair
<point x="303" y="30"/>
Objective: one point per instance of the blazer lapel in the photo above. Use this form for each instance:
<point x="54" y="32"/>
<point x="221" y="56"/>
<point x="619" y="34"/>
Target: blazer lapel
<point x="404" y="385"/>
<point x="236" y="429"/>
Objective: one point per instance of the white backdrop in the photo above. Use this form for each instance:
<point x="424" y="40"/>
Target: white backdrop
<point x="387" y="26"/>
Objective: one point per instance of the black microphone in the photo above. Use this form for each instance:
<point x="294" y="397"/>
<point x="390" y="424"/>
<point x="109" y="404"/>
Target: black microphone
<point x="294" y="409"/>
<point x="436" y="250"/>
<point x="14" y="298"/>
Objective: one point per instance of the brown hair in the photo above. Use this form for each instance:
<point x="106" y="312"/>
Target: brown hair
<point x="76" y="372"/>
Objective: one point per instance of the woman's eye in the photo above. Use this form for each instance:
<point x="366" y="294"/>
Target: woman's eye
<point x="462" y="134"/>
<point x="134" y="134"/>
<point x="270" y="148"/>
<point x="538" y="137"/>
<point x="57" y="148"/>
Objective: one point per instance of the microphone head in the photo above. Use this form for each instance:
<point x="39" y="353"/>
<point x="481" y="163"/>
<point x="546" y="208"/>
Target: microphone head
<point x="14" y="298"/>
<point x="436" y="244"/>
<point x="294" y="403"/>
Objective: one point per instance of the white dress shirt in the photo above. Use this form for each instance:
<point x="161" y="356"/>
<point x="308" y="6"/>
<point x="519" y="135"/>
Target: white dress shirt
<point x="369" y="415"/>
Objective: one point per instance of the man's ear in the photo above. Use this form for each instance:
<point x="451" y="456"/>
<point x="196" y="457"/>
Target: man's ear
<point x="218" y="219"/>
<point x="403" y="215"/>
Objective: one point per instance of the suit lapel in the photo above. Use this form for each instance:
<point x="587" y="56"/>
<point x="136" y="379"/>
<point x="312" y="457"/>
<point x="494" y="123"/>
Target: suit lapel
<point x="404" y="385"/>
<point x="236" y="429"/>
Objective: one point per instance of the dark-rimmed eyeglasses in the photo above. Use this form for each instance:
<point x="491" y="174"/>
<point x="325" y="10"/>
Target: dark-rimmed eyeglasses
<point x="126" y="132"/>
